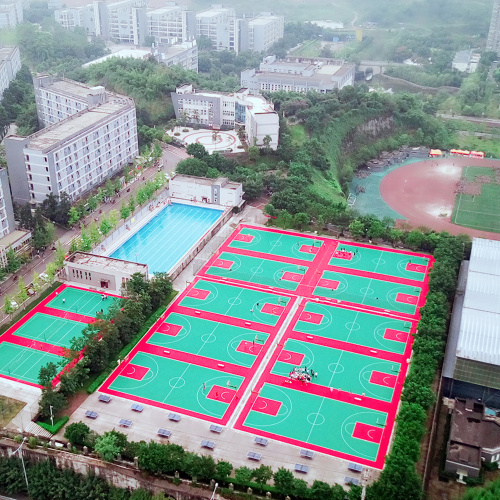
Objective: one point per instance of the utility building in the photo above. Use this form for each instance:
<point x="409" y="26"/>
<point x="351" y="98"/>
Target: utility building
<point x="472" y="361"/>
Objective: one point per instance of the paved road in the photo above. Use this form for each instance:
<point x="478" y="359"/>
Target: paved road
<point x="492" y="122"/>
<point x="171" y="157"/>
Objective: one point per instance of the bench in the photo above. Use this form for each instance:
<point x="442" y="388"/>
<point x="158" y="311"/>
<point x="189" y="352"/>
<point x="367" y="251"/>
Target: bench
<point x="306" y="453"/>
<point x="261" y="441"/>
<point x="254" y="456"/>
<point x="355" y="467"/>
<point x="125" y="423"/>
<point x="91" y="414"/>
<point x="351" y="480"/>
<point x="104" y="398"/>
<point x="207" y="444"/>
<point x="164" y="433"/>
<point x="302" y="468"/>
<point x="137" y="407"/>
<point x="175" y="417"/>
<point x="216" y="428"/>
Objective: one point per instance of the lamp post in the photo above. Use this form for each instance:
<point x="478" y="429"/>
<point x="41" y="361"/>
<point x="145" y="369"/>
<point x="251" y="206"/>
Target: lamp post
<point x="51" y="415"/>
<point x="20" y="450"/>
<point x="213" y="493"/>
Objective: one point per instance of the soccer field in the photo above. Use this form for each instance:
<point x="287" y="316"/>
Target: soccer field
<point x="482" y="211"/>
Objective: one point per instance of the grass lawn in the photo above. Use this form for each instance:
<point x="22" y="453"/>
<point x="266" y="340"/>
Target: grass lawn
<point x="478" y="212"/>
<point x="311" y="48"/>
<point x="474" y="143"/>
<point x="327" y="187"/>
<point x="298" y="133"/>
<point x="9" y="408"/>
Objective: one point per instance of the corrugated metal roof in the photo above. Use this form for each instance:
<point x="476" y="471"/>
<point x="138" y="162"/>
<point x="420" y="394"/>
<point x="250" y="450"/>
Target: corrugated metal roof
<point x="485" y="256"/>
<point x="479" y="337"/>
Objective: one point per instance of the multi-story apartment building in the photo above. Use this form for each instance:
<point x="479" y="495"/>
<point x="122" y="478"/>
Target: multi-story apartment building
<point x="493" y="40"/>
<point x="57" y="99"/>
<point x="10" y="64"/>
<point x="171" y="22"/>
<point x="216" y="110"/>
<point x="77" y="17"/>
<point x="261" y="32"/>
<point x="218" y="24"/>
<point x="298" y="74"/>
<point x="11" y="13"/>
<point x="75" y="154"/>
<point x="122" y="22"/>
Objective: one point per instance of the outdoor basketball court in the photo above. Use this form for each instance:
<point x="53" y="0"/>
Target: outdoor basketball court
<point x="45" y="333"/>
<point x="331" y="380"/>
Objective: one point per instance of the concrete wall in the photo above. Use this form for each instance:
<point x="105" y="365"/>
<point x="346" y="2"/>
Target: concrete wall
<point x="14" y="154"/>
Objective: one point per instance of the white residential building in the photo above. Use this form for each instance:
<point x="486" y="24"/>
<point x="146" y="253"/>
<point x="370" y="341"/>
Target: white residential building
<point x="10" y="64"/>
<point x="218" y="191"/>
<point x="263" y="32"/>
<point x="466" y="61"/>
<point x="218" y="24"/>
<point x="171" y="22"/>
<point x="11" y="13"/>
<point x="218" y="110"/>
<point x="75" y="154"/>
<point x="298" y="74"/>
<point x="77" y="17"/>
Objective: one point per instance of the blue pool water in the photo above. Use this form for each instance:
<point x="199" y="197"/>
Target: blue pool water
<point x="163" y="241"/>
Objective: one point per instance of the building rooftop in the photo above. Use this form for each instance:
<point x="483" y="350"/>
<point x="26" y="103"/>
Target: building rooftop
<point x="122" y="54"/>
<point x="108" y="263"/>
<point x="263" y="20"/>
<point x="13" y="237"/>
<point x="222" y="181"/>
<point x="213" y="12"/>
<point x="74" y="125"/>
<point x="70" y="87"/>
<point x="479" y="334"/>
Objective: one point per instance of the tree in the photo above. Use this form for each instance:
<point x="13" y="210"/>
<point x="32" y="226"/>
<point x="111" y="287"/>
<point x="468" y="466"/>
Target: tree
<point x="60" y="256"/>
<point x="267" y="143"/>
<point x="223" y="470"/>
<point x="131" y="203"/>
<point x="50" y="398"/>
<point x="47" y="374"/>
<point x="243" y="475"/>
<point x="284" y="219"/>
<point x="76" y="433"/>
<point x="301" y="220"/>
<point x="253" y="153"/>
<point x="7" y="305"/>
<point x="284" y="481"/>
<point x="73" y="216"/>
<point x="106" y="447"/>
<point x="36" y="282"/>
<point x="357" y="229"/>
<point x="263" y="474"/>
<point x="22" y="294"/>
<point x="124" y="211"/>
<point x="320" y="491"/>
<point x="105" y="227"/>
<point x="197" y="150"/>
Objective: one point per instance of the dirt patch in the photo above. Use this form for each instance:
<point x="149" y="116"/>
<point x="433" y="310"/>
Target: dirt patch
<point x="424" y="193"/>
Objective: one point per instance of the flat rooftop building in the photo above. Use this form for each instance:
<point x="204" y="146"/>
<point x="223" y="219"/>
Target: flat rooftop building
<point x="77" y="153"/>
<point x="10" y="64"/>
<point x="298" y="74"/>
<point x="239" y="109"/>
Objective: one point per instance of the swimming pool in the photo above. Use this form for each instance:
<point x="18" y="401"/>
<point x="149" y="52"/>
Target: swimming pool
<point x="164" y="240"/>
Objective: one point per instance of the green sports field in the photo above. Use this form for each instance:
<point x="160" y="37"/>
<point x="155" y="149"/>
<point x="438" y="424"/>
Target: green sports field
<point x="479" y="212"/>
<point x="356" y="327"/>
<point x="284" y="245"/>
<point x="234" y="301"/>
<point x="81" y="302"/>
<point x="381" y="262"/>
<point x="23" y="363"/>
<point x="344" y="370"/>
<point x="257" y="270"/>
<point x="369" y="292"/>
<point x="51" y="329"/>
<point x="317" y="420"/>
<point x="210" y="339"/>
<point x="176" y="383"/>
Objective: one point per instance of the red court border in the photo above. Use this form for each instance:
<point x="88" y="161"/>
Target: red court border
<point x="41" y="307"/>
<point x="390" y="408"/>
<point x="220" y="366"/>
<point x="309" y="281"/>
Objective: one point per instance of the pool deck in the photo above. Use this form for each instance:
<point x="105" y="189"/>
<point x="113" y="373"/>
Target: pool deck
<point x="108" y="248"/>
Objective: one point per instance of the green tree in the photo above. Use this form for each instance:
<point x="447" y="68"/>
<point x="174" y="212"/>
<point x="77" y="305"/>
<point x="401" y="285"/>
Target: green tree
<point x="243" y="475"/>
<point x="124" y="211"/>
<point x="106" y="447"/>
<point x="74" y="216"/>
<point x="284" y="219"/>
<point x="223" y="470"/>
<point x="301" y="220"/>
<point x="60" y="256"/>
<point x="284" y="481"/>
<point x="36" y="282"/>
<point x="253" y="153"/>
<point x="131" y="203"/>
<point x="357" y="229"/>
<point x="47" y="374"/>
<point x="263" y="474"/>
<point x="105" y="226"/>
<point x="22" y="294"/>
<point x="50" y="398"/>
<point x="76" y="433"/>
<point x="7" y="305"/>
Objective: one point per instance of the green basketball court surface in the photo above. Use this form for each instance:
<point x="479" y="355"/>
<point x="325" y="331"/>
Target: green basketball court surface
<point x="45" y="333"/>
<point x="279" y="302"/>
